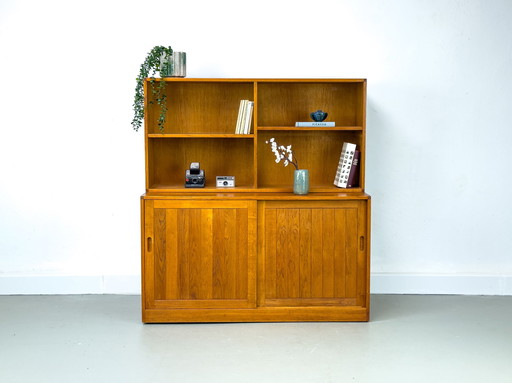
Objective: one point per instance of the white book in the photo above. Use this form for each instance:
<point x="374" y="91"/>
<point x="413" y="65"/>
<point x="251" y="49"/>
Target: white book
<point x="248" y="117"/>
<point x="346" y="159"/>
<point x="243" y="116"/>
<point x="239" y="119"/>
<point x="312" y="124"/>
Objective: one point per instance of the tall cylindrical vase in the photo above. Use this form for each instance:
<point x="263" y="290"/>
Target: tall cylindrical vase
<point x="175" y="65"/>
<point x="301" y="182"/>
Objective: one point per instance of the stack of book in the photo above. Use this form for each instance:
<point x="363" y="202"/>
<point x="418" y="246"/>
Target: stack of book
<point x="243" y="123"/>
<point x="348" y="167"/>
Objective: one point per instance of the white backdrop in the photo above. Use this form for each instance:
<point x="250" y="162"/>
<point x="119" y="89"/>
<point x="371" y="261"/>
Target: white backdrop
<point x="439" y="131"/>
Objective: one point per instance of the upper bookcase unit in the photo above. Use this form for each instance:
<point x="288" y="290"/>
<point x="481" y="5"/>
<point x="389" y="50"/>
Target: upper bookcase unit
<point x="201" y="120"/>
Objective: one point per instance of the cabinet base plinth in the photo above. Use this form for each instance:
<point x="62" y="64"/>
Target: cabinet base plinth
<point x="273" y="314"/>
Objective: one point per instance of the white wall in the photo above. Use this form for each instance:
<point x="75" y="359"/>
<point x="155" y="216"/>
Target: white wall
<point x="439" y="130"/>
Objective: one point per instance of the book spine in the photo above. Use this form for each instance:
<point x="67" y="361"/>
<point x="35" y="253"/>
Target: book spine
<point x="248" y="117"/>
<point x="239" y="119"/>
<point x="242" y="116"/>
<point x="353" y="177"/>
<point x="344" y="165"/>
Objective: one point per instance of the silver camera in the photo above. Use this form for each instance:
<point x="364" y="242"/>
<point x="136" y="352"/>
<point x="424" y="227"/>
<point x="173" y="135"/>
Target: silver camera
<point x="225" y="181"/>
<point x="194" y="177"/>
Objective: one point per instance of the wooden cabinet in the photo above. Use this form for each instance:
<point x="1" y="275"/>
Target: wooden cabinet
<point x="255" y="252"/>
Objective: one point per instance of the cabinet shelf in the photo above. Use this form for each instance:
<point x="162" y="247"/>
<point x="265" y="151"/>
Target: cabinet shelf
<point x="168" y="188"/>
<point x="318" y="129"/>
<point x="200" y="135"/>
<point x="190" y="191"/>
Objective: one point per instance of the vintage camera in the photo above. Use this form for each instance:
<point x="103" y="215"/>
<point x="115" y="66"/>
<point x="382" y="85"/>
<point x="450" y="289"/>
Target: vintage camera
<point x="194" y="177"/>
<point x="225" y="181"/>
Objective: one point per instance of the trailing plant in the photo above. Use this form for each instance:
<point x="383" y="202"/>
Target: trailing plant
<point x="153" y="63"/>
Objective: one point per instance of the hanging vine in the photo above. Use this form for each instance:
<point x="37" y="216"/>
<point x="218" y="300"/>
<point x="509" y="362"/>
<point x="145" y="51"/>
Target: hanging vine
<point x="153" y="63"/>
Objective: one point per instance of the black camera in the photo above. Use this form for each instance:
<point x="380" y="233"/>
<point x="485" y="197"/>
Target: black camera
<point x="194" y="177"/>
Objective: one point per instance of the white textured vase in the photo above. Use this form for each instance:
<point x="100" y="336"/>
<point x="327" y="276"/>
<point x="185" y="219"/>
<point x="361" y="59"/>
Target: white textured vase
<point x="176" y="65"/>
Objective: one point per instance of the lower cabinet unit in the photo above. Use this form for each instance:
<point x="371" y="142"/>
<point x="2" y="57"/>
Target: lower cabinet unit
<point x="217" y="259"/>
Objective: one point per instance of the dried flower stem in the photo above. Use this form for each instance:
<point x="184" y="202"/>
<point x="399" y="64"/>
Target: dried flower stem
<point x="284" y="153"/>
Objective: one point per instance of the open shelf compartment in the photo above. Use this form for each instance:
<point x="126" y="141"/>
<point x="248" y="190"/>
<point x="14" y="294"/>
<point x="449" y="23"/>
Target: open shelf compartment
<point x="282" y="104"/>
<point x="199" y="107"/>
<point x="319" y="153"/>
<point x="168" y="159"/>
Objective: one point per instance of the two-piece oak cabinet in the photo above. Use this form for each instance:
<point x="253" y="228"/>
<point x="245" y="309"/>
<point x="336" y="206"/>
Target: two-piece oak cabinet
<point x="255" y="252"/>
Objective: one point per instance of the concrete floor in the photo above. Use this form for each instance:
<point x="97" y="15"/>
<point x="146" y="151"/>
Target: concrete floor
<point x="411" y="338"/>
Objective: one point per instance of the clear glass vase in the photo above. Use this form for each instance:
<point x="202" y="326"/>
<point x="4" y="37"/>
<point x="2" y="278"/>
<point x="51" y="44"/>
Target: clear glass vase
<point x="301" y="182"/>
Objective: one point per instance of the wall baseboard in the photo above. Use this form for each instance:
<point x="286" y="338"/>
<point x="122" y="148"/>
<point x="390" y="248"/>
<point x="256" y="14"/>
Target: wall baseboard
<point x="381" y="283"/>
<point x="69" y="284"/>
<point x="458" y="284"/>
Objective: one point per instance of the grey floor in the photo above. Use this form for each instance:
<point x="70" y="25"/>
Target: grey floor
<point x="410" y="338"/>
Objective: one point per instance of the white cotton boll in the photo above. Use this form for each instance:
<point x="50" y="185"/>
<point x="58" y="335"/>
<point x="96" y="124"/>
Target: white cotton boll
<point x="272" y="139"/>
<point x="286" y="163"/>
<point x="290" y="157"/>
<point x="289" y="148"/>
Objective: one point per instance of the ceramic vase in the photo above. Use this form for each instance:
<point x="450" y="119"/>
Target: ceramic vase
<point x="301" y="182"/>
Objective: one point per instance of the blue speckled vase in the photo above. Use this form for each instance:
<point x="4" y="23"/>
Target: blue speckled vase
<point x="301" y="182"/>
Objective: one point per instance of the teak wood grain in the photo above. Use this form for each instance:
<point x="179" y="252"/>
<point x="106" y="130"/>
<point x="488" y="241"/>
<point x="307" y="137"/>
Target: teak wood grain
<point x="311" y="252"/>
<point x="203" y="255"/>
<point x="256" y="252"/>
<point x="201" y="120"/>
